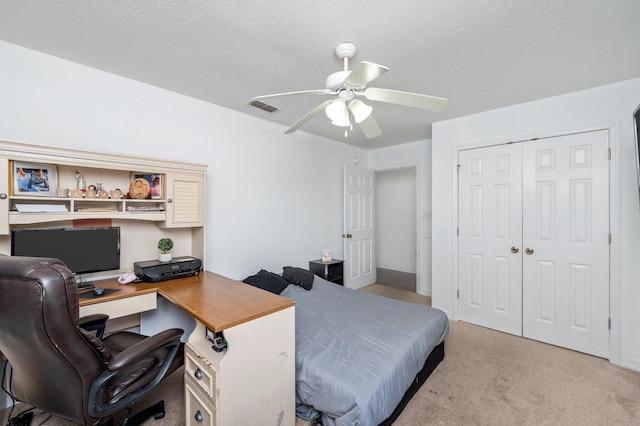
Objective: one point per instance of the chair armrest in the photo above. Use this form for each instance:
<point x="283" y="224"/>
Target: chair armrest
<point x="163" y="346"/>
<point x="95" y="322"/>
<point x="144" y="348"/>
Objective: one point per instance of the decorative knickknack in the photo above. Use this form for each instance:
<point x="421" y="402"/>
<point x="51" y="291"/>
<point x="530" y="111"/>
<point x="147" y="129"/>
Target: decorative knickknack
<point x="165" y="245"/>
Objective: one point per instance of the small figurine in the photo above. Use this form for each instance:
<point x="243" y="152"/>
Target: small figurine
<point x="81" y="184"/>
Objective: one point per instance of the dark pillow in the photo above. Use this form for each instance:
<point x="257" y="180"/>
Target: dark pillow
<point x="298" y="276"/>
<point x="267" y="281"/>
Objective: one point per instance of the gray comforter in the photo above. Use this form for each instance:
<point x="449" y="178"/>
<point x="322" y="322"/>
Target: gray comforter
<point x="357" y="353"/>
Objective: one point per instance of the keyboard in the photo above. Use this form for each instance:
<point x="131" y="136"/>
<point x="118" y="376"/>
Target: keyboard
<point x="83" y="285"/>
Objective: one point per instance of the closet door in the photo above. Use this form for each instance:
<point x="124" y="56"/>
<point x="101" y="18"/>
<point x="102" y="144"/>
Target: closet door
<point x="566" y="247"/>
<point x="490" y="237"/>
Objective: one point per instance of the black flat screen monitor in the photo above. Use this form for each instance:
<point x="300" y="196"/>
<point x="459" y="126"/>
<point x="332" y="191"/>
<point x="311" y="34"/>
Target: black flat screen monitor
<point x="83" y="250"/>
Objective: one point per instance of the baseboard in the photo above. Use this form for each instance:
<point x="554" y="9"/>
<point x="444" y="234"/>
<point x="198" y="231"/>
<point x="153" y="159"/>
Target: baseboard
<point x="630" y="363"/>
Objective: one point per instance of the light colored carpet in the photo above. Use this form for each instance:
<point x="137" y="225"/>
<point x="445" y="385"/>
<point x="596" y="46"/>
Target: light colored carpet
<point x="489" y="378"/>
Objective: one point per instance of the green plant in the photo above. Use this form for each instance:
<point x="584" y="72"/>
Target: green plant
<point x="165" y="245"/>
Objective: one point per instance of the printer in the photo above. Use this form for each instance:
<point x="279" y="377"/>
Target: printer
<point x="153" y="270"/>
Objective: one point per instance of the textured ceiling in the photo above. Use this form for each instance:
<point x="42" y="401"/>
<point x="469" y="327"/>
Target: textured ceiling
<point x="480" y="55"/>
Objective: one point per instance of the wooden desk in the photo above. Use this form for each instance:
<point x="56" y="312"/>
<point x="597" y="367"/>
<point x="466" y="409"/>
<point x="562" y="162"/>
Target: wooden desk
<point x="253" y="380"/>
<point x="217" y="301"/>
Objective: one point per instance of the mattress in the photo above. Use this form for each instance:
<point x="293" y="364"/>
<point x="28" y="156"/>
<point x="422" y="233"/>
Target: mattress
<point x="358" y="353"/>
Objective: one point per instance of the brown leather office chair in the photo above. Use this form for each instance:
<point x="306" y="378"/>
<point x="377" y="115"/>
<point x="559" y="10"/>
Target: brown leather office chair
<point x="60" y="367"/>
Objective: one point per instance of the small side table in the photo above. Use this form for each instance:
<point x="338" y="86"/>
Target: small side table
<point x="331" y="271"/>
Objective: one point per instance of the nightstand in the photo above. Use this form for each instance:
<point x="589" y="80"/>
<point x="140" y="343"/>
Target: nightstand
<point x="331" y="271"/>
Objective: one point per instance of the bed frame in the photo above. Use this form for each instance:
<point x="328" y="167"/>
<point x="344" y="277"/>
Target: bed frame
<point x="434" y="358"/>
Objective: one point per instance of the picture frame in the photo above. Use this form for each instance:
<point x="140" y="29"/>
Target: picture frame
<point x="33" y="179"/>
<point x="326" y="255"/>
<point x="156" y="183"/>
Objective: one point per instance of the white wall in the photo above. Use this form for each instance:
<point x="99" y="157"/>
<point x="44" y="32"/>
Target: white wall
<point x="395" y="216"/>
<point x="272" y="199"/>
<point x="608" y="106"/>
<point x="416" y="154"/>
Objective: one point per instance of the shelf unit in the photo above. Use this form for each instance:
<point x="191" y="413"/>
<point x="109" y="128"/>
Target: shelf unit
<point x="82" y="208"/>
<point x="178" y="213"/>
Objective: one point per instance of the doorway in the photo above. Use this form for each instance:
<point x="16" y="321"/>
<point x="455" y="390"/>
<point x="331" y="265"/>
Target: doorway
<point x="396" y="227"/>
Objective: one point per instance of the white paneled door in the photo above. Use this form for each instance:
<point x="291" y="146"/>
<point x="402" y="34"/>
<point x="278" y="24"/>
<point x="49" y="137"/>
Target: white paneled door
<point x="557" y="191"/>
<point x="359" y="232"/>
<point x="566" y="242"/>
<point x="490" y="227"/>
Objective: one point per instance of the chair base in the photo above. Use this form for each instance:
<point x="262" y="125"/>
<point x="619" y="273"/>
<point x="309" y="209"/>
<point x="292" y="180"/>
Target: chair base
<point x="22" y="419"/>
<point x="156" y="410"/>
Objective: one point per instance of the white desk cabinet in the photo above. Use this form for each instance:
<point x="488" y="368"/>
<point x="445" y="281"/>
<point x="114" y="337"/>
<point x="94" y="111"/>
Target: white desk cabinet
<point x="253" y="379"/>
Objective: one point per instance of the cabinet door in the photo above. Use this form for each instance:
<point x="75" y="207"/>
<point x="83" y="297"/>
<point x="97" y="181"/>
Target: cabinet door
<point x="4" y="196"/>
<point x="185" y="200"/>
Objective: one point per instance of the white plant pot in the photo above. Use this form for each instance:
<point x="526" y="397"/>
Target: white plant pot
<point x="165" y="257"/>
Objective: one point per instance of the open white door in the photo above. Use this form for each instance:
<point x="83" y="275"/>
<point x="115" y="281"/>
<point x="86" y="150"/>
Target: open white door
<point x="359" y="232"/>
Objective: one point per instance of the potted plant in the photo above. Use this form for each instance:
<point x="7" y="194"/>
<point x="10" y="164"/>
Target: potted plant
<point x="165" y="245"/>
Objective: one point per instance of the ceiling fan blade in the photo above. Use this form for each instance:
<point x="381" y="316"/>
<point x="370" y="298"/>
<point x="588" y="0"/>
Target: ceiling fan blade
<point x="370" y="128"/>
<point x="415" y="100"/>
<point x="302" y="92"/>
<point x="364" y="73"/>
<point x="308" y="116"/>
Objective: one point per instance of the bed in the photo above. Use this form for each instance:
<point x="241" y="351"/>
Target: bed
<point x="360" y="357"/>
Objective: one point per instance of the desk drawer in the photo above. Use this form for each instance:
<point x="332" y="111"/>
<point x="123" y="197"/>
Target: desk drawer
<point x="198" y="410"/>
<point x="122" y="307"/>
<point x="201" y="372"/>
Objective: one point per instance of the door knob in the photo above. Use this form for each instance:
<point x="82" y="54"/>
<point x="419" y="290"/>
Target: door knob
<point x="347" y="235"/>
<point x="514" y="249"/>
<point x="528" y="250"/>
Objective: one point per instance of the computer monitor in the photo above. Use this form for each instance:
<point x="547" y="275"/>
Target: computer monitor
<point x="83" y="250"/>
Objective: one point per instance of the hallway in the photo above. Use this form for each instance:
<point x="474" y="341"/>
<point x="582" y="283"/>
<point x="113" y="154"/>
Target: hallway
<point x="396" y="279"/>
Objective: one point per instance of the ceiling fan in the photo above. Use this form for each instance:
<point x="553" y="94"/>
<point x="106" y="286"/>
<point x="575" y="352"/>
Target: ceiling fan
<point x="345" y="87"/>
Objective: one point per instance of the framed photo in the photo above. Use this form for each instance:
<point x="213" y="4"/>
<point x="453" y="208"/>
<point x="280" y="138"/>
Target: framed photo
<point x="155" y="182"/>
<point x="326" y="255"/>
<point x="35" y="179"/>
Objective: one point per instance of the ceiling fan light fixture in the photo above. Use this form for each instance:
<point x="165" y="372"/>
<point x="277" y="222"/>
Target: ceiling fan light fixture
<point x="360" y="110"/>
<point x="337" y="112"/>
<point x="346" y="85"/>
